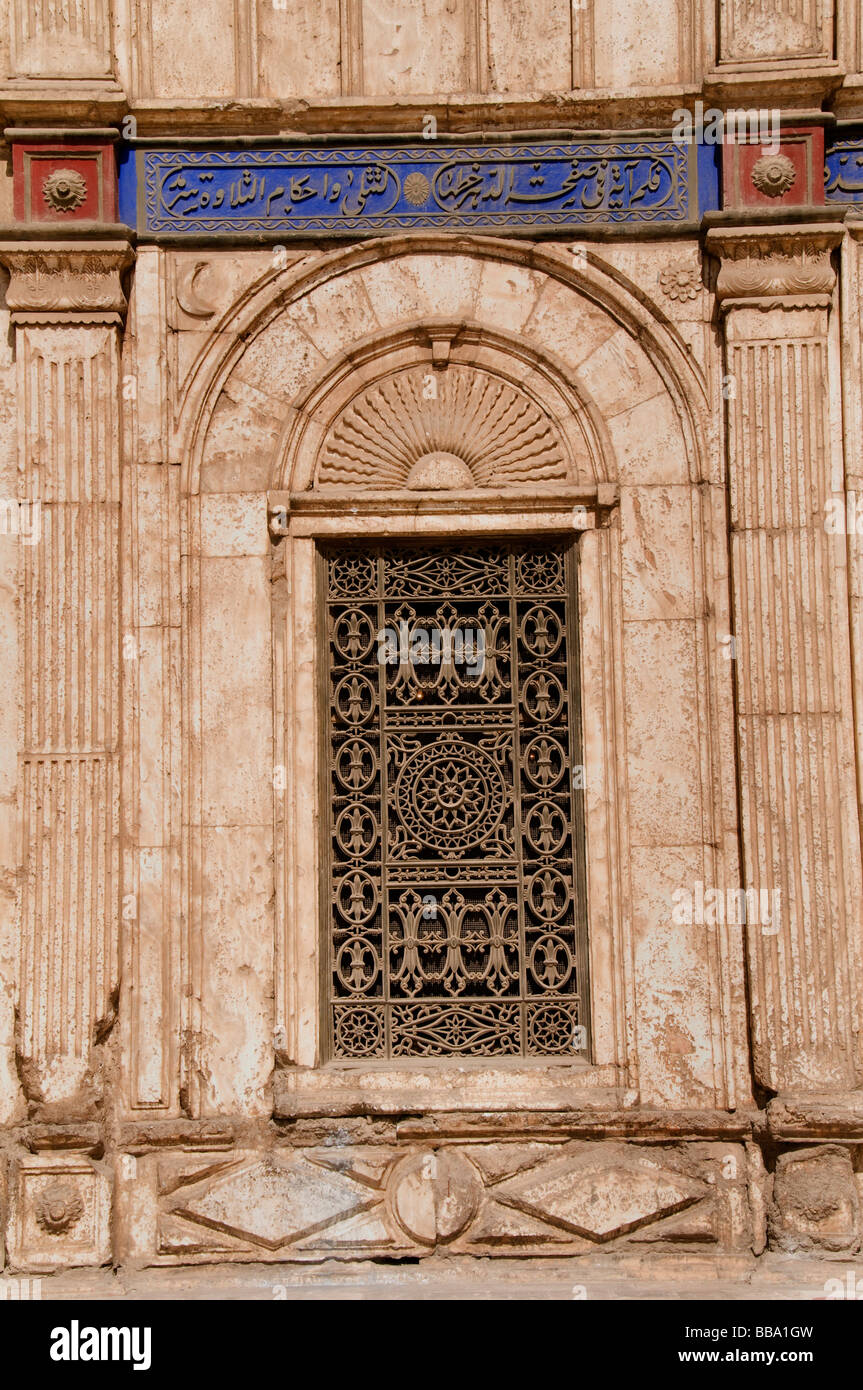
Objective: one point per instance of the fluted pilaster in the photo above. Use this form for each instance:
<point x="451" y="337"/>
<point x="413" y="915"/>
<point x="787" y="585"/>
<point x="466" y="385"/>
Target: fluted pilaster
<point x="67" y="304"/>
<point x="793" y="673"/>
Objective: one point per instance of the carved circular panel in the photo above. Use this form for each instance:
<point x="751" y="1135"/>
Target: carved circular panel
<point x="351" y="576"/>
<point x="680" y="281"/>
<point x="551" y="1028"/>
<point x="434" y="1196"/>
<point x="416" y="188"/>
<point x="359" y="1032"/>
<point x="64" y="190"/>
<point x="773" y="175"/>
<point x="541" y="571"/>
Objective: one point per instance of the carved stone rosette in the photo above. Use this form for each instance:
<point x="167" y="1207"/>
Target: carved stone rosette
<point x="794" y="706"/>
<point x="67" y="304"/>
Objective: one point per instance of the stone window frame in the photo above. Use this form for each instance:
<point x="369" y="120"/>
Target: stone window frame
<point x="303" y="1082"/>
<point x="285" y="445"/>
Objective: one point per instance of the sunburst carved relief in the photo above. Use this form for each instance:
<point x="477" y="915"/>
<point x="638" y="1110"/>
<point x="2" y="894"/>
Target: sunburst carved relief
<point x="425" y="429"/>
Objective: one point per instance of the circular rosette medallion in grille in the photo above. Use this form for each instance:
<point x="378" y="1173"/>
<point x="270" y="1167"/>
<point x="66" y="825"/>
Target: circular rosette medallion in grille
<point x="450" y="795"/>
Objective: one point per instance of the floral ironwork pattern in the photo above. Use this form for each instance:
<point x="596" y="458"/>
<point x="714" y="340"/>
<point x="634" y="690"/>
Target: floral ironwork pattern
<point x="453" y="838"/>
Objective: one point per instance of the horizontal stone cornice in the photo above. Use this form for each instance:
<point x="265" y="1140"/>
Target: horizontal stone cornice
<point x="854" y="226"/>
<point x="789" y="84"/>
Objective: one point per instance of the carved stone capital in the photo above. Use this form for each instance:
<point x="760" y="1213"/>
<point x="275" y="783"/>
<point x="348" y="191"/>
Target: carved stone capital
<point x="790" y="263"/>
<point x="63" y="281"/>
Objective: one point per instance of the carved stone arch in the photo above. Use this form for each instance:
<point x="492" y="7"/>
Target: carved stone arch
<point x="490" y="408"/>
<point x="584" y="313"/>
<point x="626" y="404"/>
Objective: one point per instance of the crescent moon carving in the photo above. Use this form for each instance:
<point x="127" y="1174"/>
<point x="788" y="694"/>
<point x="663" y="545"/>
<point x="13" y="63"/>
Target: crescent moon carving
<point x="188" y="298"/>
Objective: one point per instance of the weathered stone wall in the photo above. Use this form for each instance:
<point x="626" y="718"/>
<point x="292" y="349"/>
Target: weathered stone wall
<point x="165" y="1095"/>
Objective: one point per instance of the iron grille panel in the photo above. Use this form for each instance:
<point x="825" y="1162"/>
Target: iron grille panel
<point x="453" y="864"/>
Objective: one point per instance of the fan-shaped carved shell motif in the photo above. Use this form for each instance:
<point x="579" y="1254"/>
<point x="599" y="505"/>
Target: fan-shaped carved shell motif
<point x="496" y="430"/>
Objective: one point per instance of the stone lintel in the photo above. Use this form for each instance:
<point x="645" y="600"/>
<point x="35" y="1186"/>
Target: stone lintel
<point x="85" y="1137"/>
<point x="793" y="84"/>
<point x="62" y="102"/>
<point x="50" y="135"/>
<point x="788" y="1118"/>
<point x="641" y="1125"/>
<point x="296" y="512"/>
<point x="568" y="116"/>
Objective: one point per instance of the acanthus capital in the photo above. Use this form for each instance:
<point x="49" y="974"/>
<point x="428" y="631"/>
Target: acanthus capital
<point x="64" y="279"/>
<point x="787" y="261"/>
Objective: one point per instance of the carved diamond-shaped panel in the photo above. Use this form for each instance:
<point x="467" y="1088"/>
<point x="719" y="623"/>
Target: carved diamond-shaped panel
<point x="518" y="1197"/>
<point x="273" y="1203"/>
<point x="599" y="1199"/>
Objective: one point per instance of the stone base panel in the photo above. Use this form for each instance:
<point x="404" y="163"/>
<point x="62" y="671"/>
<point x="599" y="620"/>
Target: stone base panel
<point x="374" y="1190"/>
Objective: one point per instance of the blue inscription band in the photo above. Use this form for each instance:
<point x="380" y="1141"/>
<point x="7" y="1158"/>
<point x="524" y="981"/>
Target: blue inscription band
<point x="390" y="189"/>
<point x="843" y="174"/>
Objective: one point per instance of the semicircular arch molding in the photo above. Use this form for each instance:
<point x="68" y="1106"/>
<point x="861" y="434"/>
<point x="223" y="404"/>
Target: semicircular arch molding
<point x="621" y="366"/>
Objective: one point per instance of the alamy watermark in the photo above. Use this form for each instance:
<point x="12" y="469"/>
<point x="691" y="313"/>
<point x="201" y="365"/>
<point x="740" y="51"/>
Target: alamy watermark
<point x="434" y="646"/>
<point x="77" y="1343"/>
<point x="704" y="906"/>
<point x="711" y="126"/>
<point x="843" y="515"/>
<point x="22" y="519"/>
<point x="20" y="1290"/>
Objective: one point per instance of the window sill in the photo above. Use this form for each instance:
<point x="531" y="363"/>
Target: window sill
<point x="339" y="1088"/>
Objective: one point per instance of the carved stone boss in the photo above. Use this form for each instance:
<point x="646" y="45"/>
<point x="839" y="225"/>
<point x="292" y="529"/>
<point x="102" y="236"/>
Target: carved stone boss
<point x="794" y="709"/>
<point x="67" y="306"/>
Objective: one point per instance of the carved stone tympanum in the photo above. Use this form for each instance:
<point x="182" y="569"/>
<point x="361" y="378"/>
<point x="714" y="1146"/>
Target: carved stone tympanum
<point x="388" y="434"/>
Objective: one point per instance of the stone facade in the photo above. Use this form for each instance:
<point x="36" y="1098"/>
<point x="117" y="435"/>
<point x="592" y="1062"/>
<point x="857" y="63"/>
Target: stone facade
<point x="192" y="412"/>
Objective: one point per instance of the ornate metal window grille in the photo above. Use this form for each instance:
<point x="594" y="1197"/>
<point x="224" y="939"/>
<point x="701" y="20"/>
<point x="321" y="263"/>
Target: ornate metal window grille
<point x="453" y="867"/>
